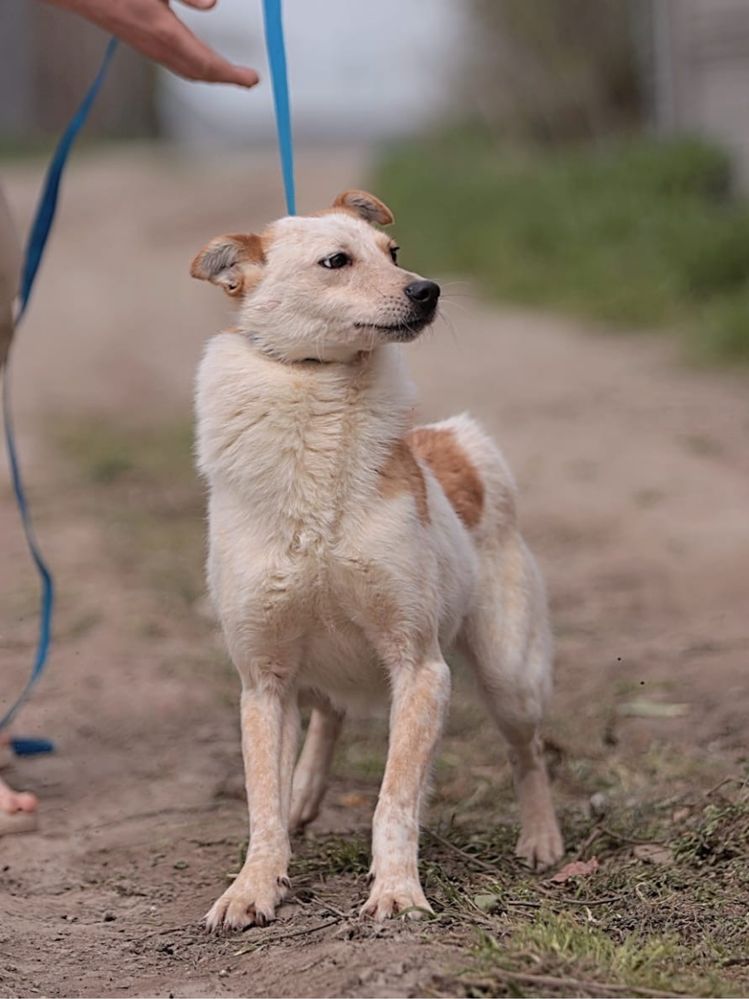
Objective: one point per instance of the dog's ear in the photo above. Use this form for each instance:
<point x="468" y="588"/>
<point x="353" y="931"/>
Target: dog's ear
<point x="232" y="262"/>
<point x="366" y="206"/>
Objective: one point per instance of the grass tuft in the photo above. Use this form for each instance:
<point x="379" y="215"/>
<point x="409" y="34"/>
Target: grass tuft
<point x="145" y="492"/>
<point x="721" y="834"/>
<point x="563" y="945"/>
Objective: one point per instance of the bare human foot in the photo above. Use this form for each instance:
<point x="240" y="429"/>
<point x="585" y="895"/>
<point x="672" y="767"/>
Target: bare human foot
<point x="16" y="801"/>
<point x="17" y="809"/>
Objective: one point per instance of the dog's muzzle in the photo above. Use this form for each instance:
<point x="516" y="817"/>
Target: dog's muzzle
<point x="422" y="298"/>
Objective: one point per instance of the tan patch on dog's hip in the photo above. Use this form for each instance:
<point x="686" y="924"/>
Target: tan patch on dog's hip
<point x="401" y="474"/>
<point x="453" y="469"/>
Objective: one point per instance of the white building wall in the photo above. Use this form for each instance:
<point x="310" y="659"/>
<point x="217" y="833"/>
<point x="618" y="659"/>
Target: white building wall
<point x="702" y="72"/>
<point x="358" y="69"/>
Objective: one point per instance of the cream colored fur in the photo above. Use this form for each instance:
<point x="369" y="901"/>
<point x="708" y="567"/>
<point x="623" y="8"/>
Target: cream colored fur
<point x="333" y="591"/>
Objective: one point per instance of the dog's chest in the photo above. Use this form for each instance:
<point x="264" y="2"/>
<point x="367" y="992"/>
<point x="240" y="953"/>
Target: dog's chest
<point x="298" y="528"/>
<point x="317" y="600"/>
<point x="299" y="449"/>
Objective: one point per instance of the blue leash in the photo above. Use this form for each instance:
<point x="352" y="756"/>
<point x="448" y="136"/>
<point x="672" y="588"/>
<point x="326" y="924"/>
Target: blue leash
<point x="274" y="43"/>
<point x="45" y="215"/>
<point x="40" y="230"/>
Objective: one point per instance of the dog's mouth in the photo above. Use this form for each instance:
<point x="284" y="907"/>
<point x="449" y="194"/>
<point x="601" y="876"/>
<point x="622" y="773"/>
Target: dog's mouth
<point x="403" y="331"/>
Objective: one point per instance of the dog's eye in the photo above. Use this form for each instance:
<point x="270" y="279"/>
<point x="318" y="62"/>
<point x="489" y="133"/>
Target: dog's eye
<point x="394" y="253"/>
<point x="335" y="261"/>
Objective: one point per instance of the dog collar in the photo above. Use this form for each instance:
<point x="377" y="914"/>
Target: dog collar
<point x="253" y="339"/>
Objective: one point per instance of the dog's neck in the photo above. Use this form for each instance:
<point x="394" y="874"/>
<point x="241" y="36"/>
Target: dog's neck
<point x="298" y="443"/>
<point x="259" y="344"/>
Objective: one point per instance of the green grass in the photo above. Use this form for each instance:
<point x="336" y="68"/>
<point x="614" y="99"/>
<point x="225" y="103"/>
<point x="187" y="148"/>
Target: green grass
<point x="575" y="948"/>
<point x="106" y="452"/>
<point x="38" y="148"/>
<point x="639" y="234"/>
<point x="677" y="926"/>
<point x="143" y="485"/>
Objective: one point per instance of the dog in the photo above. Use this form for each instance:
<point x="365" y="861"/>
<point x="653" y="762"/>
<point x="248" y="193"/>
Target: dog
<point x="350" y="552"/>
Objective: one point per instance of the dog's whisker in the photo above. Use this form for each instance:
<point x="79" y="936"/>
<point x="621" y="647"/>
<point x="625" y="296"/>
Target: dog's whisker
<point x="450" y="325"/>
<point x="450" y="303"/>
<point x="449" y="285"/>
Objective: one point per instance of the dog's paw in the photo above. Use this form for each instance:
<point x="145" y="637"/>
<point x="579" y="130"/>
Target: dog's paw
<point x="250" y="901"/>
<point x="541" y="846"/>
<point x="392" y="897"/>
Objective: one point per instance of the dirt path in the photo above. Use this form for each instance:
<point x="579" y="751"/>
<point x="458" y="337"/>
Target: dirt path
<point x="633" y="472"/>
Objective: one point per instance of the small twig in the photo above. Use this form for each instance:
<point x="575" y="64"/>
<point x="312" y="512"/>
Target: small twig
<point x="609" y="900"/>
<point x="491" y="868"/>
<point x="726" y="780"/>
<point x="578" y="984"/>
<point x="287" y="936"/>
<point x="332" y="908"/>
<point x="631" y="839"/>
<point x="589" y="840"/>
<point x="562" y="900"/>
<point x="153" y="814"/>
<point x="312" y="964"/>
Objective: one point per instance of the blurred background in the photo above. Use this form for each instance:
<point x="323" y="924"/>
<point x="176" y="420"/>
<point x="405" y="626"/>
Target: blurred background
<point x="576" y="174"/>
<point x="570" y="119"/>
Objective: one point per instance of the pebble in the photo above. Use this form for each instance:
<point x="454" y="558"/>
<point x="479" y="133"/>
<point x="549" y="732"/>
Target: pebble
<point x="599" y="803"/>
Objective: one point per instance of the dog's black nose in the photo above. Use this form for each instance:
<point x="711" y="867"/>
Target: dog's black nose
<point x="423" y="293"/>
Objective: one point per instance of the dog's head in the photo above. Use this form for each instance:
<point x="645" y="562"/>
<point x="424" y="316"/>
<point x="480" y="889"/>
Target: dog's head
<point x="325" y="286"/>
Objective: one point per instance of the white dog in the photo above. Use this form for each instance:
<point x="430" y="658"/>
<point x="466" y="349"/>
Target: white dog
<point x="350" y="551"/>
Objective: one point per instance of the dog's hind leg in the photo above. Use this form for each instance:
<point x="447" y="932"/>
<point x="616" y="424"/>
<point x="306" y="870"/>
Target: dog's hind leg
<point x="508" y="642"/>
<point x="290" y="731"/>
<point x="313" y="768"/>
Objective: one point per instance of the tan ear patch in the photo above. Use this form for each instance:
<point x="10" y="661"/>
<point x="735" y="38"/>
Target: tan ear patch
<point x="232" y="262"/>
<point x="401" y="474"/>
<point x="366" y="206"/>
<point x="453" y="469"/>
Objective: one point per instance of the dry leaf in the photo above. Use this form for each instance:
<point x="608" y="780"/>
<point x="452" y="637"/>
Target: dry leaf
<point x="653" y="853"/>
<point x="575" y="869"/>
<point x="353" y="800"/>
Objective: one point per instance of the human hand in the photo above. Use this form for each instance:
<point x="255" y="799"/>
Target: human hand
<point x="152" y="28"/>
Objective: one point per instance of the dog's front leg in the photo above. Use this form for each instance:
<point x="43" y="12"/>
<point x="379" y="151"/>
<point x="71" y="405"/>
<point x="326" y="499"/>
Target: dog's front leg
<point x="420" y="693"/>
<point x="269" y="723"/>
